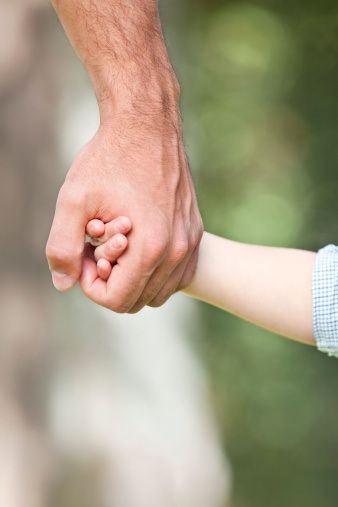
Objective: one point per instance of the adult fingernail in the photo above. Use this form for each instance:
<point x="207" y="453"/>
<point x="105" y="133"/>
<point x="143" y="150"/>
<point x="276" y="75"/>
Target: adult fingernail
<point x="62" y="282"/>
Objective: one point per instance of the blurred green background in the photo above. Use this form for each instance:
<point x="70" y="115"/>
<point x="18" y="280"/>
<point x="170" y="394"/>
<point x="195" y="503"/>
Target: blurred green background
<point x="259" y="82"/>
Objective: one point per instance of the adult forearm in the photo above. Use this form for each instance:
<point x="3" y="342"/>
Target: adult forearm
<point x="121" y="44"/>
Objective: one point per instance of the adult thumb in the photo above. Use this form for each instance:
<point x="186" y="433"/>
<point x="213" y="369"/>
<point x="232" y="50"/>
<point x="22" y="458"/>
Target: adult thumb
<point x="66" y="240"/>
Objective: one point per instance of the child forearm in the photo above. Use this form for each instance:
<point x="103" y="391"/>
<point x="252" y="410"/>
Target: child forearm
<point x="270" y="287"/>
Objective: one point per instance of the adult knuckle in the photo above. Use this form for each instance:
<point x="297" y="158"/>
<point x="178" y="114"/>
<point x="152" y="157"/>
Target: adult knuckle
<point x="58" y="254"/>
<point x="159" y="301"/>
<point x="197" y="233"/>
<point x="119" y="300"/>
<point x="162" y="297"/>
<point x="121" y="309"/>
<point x="200" y="231"/>
<point x="136" y="309"/>
<point x="119" y="306"/>
<point x="156" y="303"/>
<point x="180" y="251"/>
<point x="200" y="225"/>
<point x="149" y="295"/>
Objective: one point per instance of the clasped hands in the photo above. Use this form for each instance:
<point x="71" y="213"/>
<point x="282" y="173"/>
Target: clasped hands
<point x="130" y="179"/>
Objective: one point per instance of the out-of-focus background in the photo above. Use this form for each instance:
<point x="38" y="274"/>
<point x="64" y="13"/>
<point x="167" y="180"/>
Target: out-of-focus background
<point x="183" y="406"/>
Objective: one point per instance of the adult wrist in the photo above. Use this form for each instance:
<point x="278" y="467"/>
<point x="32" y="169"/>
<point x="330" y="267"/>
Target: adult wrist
<point x="149" y="85"/>
<point x="151" y="95"/>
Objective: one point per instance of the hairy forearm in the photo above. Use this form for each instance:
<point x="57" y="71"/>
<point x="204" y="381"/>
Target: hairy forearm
<point x="270" y="287"/>
<point x="120" y="43"/>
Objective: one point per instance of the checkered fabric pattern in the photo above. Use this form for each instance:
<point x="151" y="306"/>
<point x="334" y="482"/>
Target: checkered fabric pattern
<point x="325" y="300"/>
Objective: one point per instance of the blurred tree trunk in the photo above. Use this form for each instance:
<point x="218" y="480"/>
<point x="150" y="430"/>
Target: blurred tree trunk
<point x="28" y="158"/>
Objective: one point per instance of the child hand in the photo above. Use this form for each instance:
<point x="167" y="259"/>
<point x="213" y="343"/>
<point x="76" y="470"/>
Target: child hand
<point x="110" y="241"/>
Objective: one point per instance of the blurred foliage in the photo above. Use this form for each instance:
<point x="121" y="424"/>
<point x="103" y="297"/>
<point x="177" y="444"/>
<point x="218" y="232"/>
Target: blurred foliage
<point x="259" y="82"/>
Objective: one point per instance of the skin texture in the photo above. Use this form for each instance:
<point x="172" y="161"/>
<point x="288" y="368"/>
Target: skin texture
<point x="134" y="166"/>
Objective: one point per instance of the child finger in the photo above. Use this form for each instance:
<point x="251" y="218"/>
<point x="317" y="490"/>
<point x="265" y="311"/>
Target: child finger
<point x="112" y="249"/>
<point x="120" y="225"/>
<point x="95" y="228"/>
<point x="104" y="269"/>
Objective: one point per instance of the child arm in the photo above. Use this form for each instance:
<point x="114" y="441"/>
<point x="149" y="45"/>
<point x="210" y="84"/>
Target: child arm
<point x="270" y="287"/>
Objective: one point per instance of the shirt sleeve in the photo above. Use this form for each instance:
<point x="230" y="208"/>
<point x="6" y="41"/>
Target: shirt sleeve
<point x="325" y="300"/>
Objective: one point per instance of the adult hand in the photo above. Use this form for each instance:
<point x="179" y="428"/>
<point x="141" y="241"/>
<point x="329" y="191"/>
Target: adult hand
<point x="139" y="169"/>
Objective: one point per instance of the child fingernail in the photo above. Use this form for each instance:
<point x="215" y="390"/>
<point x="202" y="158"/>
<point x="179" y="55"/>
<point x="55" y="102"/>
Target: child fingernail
<point x="124" y="223"/>
<point x="118" y="241"/>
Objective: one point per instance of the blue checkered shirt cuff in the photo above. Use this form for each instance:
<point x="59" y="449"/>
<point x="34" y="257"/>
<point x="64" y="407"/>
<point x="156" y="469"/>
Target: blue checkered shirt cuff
<point x="325" y="300"/>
